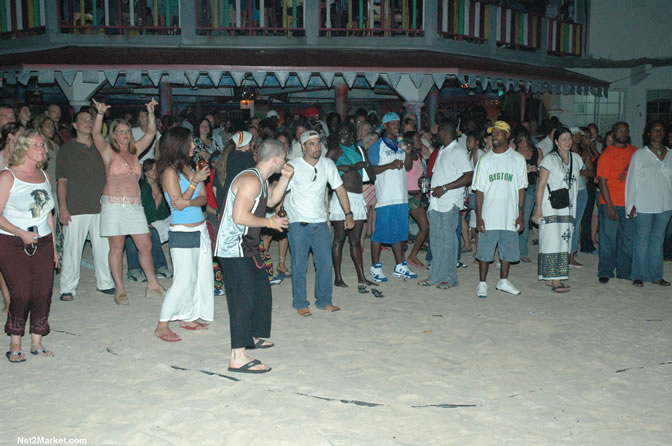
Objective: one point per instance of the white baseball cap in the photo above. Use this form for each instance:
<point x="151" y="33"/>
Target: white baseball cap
<point x="308" y="134"/>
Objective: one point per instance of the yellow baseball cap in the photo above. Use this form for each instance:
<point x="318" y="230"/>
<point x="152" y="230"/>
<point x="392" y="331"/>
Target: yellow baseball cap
<point x="501" y="125"/>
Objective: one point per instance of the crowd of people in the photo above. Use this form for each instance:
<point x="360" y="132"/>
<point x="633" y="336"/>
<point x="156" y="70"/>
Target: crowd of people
<point x="219" y="191"/>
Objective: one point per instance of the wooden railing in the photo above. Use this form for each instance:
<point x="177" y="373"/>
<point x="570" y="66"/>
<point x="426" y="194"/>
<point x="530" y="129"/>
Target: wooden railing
<point x="564" y="38"/>
<point x="119" y="17"/>
<point x="248" y="17"/>
<point x="20" y="18"/>
<point x="464" y="20"/>
<point x="371" y="17"/>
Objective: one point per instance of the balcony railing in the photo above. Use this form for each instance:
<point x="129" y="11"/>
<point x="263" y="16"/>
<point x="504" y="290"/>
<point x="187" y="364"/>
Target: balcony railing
<point x="21" y="18"/>
<point x="564" y="38"/>
<point x="474" y="21"/>
<point x="119" y="16"/>
<point x="372" y="18"/>
<point x="245" y="17"/>
<point x="464" y="20"/>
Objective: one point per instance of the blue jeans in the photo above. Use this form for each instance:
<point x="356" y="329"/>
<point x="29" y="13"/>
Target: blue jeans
<point x="616" y="238"/>
<point x="444" y="238"/>
<point x="157" y="252"/>
<point x="458" y="230"/>
<point x="581" y="201"/>
<point x="667" y="249"/>
<point x="302" y="238"/>
<point x="647" y="252"/>
<point x="530" y="199"/>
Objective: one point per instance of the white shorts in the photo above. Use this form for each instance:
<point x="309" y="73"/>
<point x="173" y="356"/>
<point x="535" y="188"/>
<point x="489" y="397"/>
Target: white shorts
<point x="357" y="206"/>
<point x="119" y="218"/>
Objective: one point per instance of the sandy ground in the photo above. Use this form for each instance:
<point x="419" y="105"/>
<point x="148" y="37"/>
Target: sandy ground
<point x="419" y="366"/>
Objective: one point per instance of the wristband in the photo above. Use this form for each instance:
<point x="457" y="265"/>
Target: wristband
<point x="191" y="186"/>
<point x="270" y="222"/>
<point x="100" y="114"/>
<point x="348" y="213"/>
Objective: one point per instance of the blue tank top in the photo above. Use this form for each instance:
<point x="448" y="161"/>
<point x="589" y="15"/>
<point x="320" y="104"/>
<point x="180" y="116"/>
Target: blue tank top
<point x="190" y="214"/>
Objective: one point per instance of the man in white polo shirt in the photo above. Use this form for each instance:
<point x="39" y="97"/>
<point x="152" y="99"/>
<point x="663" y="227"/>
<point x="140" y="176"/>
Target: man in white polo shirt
<point x="389" y="161"/>
<point x="452" y="173"/>
<point x="308" y="228"/>
<point x="500" y="179"/>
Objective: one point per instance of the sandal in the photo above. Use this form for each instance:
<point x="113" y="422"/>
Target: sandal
<point x="444" y="285"/>
<point x="425" y="282"/>
<point x="304" y="312"/>
<point x="638" y="283"/>
<point x="362" y="289"/>
<point x="376" y="293"/>
<point x="11" y="354"/>
<point x="560" y="289"/>
<point x="525" y="259"/>
<point x="41" y="352"/>
<point x="661" y="282"/>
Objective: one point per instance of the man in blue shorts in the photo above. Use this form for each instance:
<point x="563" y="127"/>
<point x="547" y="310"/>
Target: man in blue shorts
<point x="389" y="160"/>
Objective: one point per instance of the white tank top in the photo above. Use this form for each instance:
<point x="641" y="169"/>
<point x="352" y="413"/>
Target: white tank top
<point x="29" y="204"/>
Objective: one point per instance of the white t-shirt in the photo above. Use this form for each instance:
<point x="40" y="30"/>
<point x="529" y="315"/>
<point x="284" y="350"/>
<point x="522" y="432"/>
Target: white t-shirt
<point x="137" y="135"/>
<point x="546" y="145"/>
<point x="500" y="176"/>
<point x="451" y="163"/>
<point x="306" y="203"/>
<point x="391" y="186"/>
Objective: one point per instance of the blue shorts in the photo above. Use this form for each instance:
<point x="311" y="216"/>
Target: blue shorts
<point x="509" y="248"/>
<point x="391" y="224"/>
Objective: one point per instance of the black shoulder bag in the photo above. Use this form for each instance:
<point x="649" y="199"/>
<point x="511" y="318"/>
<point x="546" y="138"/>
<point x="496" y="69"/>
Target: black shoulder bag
<point x="559" y="198"/>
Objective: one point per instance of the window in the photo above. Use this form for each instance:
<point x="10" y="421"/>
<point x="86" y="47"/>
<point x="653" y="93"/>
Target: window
<point x="659" y="105"/>
<point x="602" y="111"/>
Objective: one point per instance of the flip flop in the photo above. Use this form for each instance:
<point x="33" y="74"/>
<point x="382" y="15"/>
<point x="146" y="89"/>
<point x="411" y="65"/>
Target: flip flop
<point x="198" y="326"/>
<point x="362" y="289"/>
<point x="416" y="264"/>
<point x="41" y="352"/>
<point x="376" y="293"/>
<point x="305" y="312"/>
<point x="260" y="344"/>
<point x="10" y="354"/>
<point x="66" y="297"/>
<point x="425" y="282"/>
<point x="247" y="368"/>
<point x="170" y="338"/>
<point x="560" y="289"/>
<point x="444" y="285"/>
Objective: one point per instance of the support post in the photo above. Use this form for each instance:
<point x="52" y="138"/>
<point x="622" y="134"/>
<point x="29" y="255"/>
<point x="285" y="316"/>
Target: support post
<point x="341" y="97"/>
<point x="165" y="99"/>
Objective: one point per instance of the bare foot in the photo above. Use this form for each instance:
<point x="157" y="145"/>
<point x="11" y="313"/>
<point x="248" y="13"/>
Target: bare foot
<point x="363" y="281"/>
<point x="284" y="270"/>
<point x="167" y="335"/>
<point x="193" y="325"/>
<point x="340" y="283"/>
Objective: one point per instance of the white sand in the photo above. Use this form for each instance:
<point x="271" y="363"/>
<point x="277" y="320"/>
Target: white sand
<point x="426" y="366"/>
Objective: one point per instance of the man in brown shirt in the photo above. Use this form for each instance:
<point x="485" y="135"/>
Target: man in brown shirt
<point x="81" y="177"/>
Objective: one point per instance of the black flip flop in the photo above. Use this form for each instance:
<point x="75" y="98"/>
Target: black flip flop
<point x="260" y="344"/>
<point x="376" y="293"/>
<point x="247" y="368"/>
<point x="66" y="297"/>
<point x="362" y="289"/>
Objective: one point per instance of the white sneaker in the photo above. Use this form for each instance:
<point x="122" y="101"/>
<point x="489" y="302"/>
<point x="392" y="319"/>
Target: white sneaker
<point x="482" y="290"/>
<point x="376" y="273"/>
<point x="507" y="287"/>
<point x="402" y="270"/>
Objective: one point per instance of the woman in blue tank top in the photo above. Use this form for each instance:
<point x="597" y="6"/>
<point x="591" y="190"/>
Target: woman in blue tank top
<point x="190" y="299"/>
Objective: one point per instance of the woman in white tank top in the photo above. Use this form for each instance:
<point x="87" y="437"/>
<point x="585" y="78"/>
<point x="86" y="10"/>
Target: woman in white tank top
<point x="26" y="242"/>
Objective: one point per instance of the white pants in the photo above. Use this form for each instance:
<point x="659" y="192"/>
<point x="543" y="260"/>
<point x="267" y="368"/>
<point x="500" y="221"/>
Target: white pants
<point x="191" y="295"/>
<point x="74" y="237"/>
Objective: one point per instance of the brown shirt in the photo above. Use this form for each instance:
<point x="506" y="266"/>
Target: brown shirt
<point x="83" y="167"/>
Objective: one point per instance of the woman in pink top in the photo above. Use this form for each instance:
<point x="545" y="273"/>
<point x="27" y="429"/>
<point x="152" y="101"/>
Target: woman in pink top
<point x="121" y="211"/>
<point x="416" y="205"/>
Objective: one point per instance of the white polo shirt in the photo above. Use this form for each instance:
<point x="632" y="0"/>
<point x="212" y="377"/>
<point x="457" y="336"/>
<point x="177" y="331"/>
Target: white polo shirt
<point x="391" y="187"/>
<point x="451" y="163"/>
<point x="500" y="176"/>
<point x="306" y="202"/>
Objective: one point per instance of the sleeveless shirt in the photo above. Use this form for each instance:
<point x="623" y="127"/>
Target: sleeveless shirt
<point x="29" y="204"/>
<point x="122" y="181"/>
<point x="234" y="240"/>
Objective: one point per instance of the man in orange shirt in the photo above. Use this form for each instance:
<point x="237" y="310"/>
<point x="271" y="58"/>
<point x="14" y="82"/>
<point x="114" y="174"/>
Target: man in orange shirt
<point x="616" y="229"/>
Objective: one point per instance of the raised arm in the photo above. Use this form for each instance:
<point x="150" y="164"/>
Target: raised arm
<point x="98" y="139"/>
<point x="143" y="144"/>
